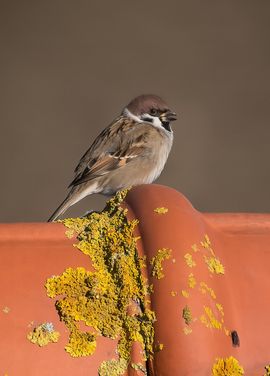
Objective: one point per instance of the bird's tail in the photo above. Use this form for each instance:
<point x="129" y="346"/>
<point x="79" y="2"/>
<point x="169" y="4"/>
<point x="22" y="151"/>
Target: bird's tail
<point x="70" y="200"/>
<point x="60" y="210"/>
<point x="77" y="193"/>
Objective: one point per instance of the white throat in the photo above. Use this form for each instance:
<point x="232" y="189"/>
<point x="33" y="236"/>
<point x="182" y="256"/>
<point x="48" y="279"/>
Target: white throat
<point x="145" y="118"/>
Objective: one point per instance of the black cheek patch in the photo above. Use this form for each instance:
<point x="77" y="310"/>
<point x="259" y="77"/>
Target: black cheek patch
<point x="148" y="119"/>
<point x="166" y="125"/>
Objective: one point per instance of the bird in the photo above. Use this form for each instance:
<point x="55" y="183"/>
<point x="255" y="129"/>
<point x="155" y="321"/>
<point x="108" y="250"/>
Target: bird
<point x="131" y="151"/>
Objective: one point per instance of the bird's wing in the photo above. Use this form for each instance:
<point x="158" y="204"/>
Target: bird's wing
<point x="116" y="146"/>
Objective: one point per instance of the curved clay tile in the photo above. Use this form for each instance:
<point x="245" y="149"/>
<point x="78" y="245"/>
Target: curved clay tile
<point x="210" y="276"/>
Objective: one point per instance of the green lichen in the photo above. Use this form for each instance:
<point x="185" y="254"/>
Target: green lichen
<point x="43" y="334"/>
<point x="156" y="262"/>
<point x="187" y="315"/>
<point x="103" y="299"/>
<point x="227" y="367"/>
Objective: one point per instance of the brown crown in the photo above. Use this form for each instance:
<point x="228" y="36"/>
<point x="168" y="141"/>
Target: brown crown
<point x="144" y="103"/>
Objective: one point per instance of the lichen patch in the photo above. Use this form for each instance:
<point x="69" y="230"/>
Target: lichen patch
<point x="157" y="261"/>
<point x="161" y="210"/>
<point x="43" y="334"/>
<point x="187" y="315"/>
<point x="212" y="313"/>
<point x="112" y="299"/>
<point x="189" y="260"/>
<point x="227" y="367"/>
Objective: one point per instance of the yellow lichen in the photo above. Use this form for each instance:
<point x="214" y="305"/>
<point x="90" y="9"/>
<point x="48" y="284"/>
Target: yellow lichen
<point x="161" y="210"/>
<point x="191" y="281"/>
<point x="194" y="248"/>
<point x="173" y="293"/>
<point x="156" y="262"/>
<point x="74" y="225"/>
<point x="113" y="367"/>
<point x="206" y="243"/>
<point x="139" y="367"/>
<point x="214" y="265"/>
<point x="189" y="260"/>
<point x="187" y="330"/>
<point x="102" y="299"/>
<point x="267" y="369"/>
<point x="227" y="367"/>
<point x="220" y="308"/>
<point x="6" y="310"/>
<point x="204" y="289"/>
<point x="185" y="293"/>
<point x="205" y="253"/>
<point x="187" y="315"/>
<point x="81" y="344"/>
<point x="209" y="319"/>
<point x="43" y="334"/>
<point x="159" y="347"/>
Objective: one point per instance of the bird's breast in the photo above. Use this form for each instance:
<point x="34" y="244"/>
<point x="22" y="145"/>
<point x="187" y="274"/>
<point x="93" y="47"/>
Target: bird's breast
<point x="159" y="155"/>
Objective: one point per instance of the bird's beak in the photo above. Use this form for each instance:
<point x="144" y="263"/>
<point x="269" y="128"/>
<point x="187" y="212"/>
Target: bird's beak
<point x="168" y="116"/>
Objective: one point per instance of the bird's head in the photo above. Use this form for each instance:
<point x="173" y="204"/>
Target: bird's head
<point x="150" y="109"/>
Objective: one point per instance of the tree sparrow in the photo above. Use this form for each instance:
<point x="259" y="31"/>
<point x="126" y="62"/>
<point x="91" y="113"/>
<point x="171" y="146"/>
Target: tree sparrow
<point x="132" y="150"/>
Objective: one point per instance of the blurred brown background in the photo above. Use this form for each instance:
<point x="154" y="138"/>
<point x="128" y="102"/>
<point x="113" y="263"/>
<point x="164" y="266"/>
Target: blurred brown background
<point x="68" y="67"/>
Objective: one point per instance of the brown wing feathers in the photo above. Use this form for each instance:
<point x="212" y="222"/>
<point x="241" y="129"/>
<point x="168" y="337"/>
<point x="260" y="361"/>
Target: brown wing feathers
<point x="118" y="155"/>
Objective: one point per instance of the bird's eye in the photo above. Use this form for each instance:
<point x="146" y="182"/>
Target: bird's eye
<point x="153" y="112"/>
